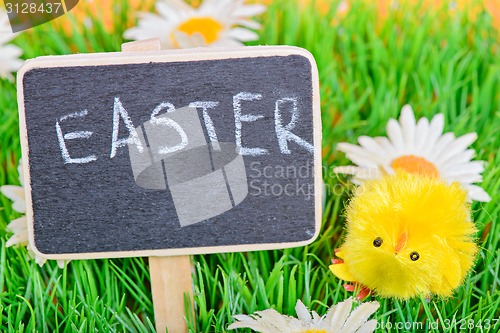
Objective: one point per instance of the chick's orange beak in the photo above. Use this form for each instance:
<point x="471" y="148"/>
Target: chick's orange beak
<point x="401" y="242"/>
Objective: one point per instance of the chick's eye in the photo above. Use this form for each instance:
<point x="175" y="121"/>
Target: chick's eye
<point x="377" y="242"/>
<point x="414" y="256"/>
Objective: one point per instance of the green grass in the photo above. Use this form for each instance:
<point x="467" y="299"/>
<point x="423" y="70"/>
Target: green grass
<point x="368" y="69"/>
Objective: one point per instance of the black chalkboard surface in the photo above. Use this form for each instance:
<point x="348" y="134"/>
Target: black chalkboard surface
<point x="171" y="152"/>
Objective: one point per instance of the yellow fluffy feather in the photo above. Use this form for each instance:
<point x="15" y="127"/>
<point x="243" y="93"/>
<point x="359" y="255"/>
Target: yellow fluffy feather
<point x="407" y="235"/>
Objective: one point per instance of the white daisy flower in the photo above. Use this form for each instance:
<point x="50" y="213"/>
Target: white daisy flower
<point x="9" y="54"/>
<point x="19" y="226"/>
<point x="213" y="23"/>
<point x="339" y="318"/>
<point x="15" y="192"/>
<point x="417" y="147"/>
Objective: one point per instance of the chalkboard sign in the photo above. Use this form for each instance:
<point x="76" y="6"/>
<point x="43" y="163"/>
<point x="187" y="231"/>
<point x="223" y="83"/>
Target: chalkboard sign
<point x="171" y="152"/>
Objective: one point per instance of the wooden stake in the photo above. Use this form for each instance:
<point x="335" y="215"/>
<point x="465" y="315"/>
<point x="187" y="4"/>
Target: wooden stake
<point x="170" y="281"/>
<point x="170" y="276"/>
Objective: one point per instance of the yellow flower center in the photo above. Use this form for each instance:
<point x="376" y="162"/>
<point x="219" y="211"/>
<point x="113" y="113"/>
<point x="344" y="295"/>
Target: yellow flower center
<point x="314" y="330"/>
<point x="416" y="165"/>
<point x="205" y="26"/>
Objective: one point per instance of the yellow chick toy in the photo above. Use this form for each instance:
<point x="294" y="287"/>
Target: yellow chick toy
<point x="407" y="235"/>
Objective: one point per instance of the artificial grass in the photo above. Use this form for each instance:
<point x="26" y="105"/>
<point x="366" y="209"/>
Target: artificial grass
<point x="436" y="60"/>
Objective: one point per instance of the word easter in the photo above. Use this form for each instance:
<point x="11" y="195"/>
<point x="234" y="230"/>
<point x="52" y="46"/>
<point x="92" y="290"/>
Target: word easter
<point x="283" y="132"/>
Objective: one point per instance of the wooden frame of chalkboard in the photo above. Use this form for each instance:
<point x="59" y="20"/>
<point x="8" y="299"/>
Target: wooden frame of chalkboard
<point x="55" y="83"/>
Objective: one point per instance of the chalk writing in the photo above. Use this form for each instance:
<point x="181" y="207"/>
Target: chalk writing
<point x="283" y="132"/>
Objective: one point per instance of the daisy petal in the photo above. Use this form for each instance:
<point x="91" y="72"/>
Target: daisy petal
<point x="19" y="228"/>
<point x="463" y="157"/>
<point x="207" y="4"/>
<point x="243" y="34"/>
<point x="477" y="193"/>
<point x="475" y="167"/>
<point x="421" y="133"/>
<point x="329" y="315"/>
<point x="467" y="178"/>
<point x="369" y="327"/>
<point x="348" y="170"/>
<point x="274" y="318"/>
<point x="186" y="41"/>
<point x="442" y="145"/>
<point x="457" y="146"/>
<point x="170" y="13"/>
<point x="61" y="263"/>
<point x="315" y="317"/>
<point x="17" y="240"/>
<point x="9" y="60"/>
<point x="11" y="51"/>
<point x="249" y="10"/>
<point x="6" y="34"/>
<point x="369" y="173"/>
<point x="151" y="26"/>
<point x="220" y="9"/>
<point x="359" y="155"/>
<point x="341" y="314"/>
<point x="248" y="24"/>
<point x="435" y="130"/>
<point x="17" y="225"/>
<point x="359" y="316"/>
<point x="407" y="121"/>
<point x="387" y="146"/>
<point x="39" y="260"/>
<point x="246" y="322"/>
<point x="178" y="5"/>
<point x="346" y="147"/>
<point x="374" y="148"/>
<point x="16" y="194"/>
<point x="395" y="134"/>
<point x="362" y="160"/>
<point x="302" y="312"/>
<point x="360" y="174"/>
<point x="389" y="170"/>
